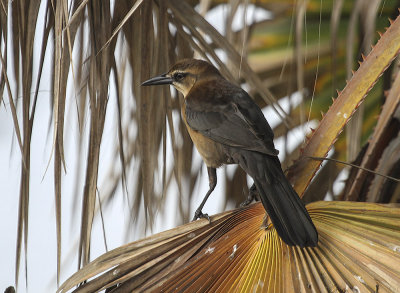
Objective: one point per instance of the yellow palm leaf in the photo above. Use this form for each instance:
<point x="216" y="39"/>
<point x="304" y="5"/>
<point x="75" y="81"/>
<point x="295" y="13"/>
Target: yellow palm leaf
<point x="358" y="250"/>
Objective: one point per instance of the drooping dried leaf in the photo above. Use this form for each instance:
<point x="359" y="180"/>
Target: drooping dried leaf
<point x="100" y="67"/>
<point x="24" y="38"/>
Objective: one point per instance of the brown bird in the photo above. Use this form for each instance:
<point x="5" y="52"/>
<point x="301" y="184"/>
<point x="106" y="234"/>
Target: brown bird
<point x="227" y="127"/>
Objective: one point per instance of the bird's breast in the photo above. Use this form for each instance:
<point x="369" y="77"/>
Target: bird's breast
<point x="213" y="153"/>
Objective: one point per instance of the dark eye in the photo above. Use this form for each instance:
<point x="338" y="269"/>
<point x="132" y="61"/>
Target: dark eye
<point x="178" y="76"/>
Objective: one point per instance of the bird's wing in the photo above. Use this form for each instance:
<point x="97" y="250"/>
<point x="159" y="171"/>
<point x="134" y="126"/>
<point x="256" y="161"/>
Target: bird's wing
<point x="231" y="118"/>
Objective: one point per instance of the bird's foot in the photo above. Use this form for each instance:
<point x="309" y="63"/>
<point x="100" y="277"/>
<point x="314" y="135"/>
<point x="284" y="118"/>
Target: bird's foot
<point x="267" y="223"/>
<point x="199" y="214"/>
<point x="253" y="195"/>
<point x="248" y="201"/>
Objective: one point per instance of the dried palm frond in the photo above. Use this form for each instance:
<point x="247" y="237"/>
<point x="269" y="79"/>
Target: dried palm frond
<point x="358" y="250"/>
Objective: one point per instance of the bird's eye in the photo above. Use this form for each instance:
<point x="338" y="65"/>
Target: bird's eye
<point x="178" y="76"/>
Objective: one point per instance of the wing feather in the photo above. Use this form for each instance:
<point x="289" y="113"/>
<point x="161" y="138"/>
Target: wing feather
<point x="232" y="119"/>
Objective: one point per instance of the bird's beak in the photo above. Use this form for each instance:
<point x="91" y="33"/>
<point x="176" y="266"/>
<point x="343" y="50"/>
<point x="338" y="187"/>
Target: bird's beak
<point x="161" y="79"/>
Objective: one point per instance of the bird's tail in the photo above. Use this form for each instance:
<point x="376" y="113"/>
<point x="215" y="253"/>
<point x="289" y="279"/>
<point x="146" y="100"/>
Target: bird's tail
<point x="285" y="208"/>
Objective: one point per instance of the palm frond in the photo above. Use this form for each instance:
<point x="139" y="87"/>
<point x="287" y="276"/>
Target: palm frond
<point x="358" y="250"/>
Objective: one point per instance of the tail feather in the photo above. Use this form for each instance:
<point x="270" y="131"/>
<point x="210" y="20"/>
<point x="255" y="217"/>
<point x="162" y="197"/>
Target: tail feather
<point x="285" y="208"/>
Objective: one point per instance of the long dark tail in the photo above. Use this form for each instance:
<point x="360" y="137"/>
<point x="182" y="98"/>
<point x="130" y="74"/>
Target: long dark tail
<point x="285" y="208"/>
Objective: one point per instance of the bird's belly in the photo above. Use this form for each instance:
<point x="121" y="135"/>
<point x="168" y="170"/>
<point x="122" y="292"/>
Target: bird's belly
<point x="212" y="152"/>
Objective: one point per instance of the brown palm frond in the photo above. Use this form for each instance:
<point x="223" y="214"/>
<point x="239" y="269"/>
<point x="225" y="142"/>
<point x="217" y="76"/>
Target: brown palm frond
<point x="357" y="250"/>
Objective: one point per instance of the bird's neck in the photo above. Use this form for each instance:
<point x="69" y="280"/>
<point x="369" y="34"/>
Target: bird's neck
<point x="202" y="82"/>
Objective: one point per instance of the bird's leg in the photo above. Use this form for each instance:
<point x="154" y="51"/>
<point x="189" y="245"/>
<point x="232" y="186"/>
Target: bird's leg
<point x="253" y="195"/>
<point x="212" y="179"/>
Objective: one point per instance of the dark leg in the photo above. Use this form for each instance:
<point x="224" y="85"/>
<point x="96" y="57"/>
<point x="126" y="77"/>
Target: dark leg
<point x="212" y="179"/>
<point x="253" y="195"/>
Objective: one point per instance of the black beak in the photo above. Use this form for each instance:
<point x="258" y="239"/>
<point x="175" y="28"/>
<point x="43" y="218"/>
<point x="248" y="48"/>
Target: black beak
<point x="161" y="79"/>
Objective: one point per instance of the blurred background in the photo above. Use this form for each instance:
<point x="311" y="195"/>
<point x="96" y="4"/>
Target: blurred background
<point x="89" y="160"/>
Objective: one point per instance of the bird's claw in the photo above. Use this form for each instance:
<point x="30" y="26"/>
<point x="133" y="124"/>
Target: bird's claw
<point x="253" y="195"/>
<point x="246" y="202"/>
<point x="199" y="214"/>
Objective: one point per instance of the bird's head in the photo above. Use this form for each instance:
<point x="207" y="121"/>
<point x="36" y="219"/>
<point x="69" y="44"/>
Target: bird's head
<point x="184" y="74"/>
